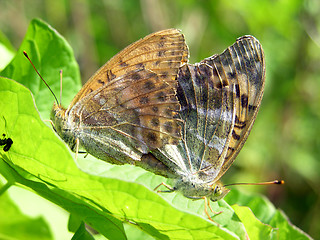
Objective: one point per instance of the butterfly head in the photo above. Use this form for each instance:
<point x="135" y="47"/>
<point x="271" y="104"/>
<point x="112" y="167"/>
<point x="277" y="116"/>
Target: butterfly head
<point x="218" y="192"/>
<point x="60" y="125"/>
<point x="57" y="117"/>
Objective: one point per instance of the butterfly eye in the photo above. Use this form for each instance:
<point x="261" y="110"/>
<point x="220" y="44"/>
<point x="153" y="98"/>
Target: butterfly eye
<point x="217" y="191"/>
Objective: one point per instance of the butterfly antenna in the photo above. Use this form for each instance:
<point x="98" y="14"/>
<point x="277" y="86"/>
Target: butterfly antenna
<point x="60" y="84"/>
<point x="262" y="183"/>
<point x="26" y="55"/>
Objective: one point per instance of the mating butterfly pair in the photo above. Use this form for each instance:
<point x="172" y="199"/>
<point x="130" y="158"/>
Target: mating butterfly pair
<point x="148" y="107"/>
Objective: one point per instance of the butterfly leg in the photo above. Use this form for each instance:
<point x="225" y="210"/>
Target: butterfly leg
<point x="171" y="189"/>
<point x="206" y="205"/>
<point x="77" y="148"/>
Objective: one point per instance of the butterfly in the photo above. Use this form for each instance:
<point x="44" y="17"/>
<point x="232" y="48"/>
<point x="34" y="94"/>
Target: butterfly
<point x="6" y="143"/>
<point x="129" y="106"/>
<point x="220" y="98"/>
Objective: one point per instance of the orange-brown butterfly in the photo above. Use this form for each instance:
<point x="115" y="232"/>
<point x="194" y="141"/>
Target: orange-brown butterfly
<point x="129" y="106"/>
<point x="219" y="99"/>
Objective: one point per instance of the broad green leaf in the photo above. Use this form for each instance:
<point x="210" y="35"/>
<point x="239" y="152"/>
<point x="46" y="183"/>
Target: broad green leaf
<point x="255" y="228"/>
<point x="285" y="229"/>
<point x="267" y="214"/>
<point x="15" y="225"/>
<point x="261" y="207"/>
<point x="50" y="53"/>
<point x="82" y="233"/>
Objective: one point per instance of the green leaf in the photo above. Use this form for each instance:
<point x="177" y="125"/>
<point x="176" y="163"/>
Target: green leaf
<point x="50" y="53"/>
<point x="82" y="233"/>
<point x="285" y="229"/>
<point x="262" y="209"/>
<point x="255" y="228"/>
<point x="6" y="51"/>
<point x="16" y="225"/>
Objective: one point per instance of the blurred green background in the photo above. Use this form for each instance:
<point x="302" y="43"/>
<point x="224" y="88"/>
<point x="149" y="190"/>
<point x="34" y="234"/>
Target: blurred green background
<point x="285" y="140"/>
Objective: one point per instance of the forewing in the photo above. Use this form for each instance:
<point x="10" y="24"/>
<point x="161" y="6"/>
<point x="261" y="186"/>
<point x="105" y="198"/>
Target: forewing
<point x="133" y="94"/>
<point x="162" y="52"/>
<point x="243" y="65"/>
<point x="137" y="110"/>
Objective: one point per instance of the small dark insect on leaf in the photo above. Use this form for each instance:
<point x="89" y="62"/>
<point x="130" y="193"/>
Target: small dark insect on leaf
<point x="6" y="142"/>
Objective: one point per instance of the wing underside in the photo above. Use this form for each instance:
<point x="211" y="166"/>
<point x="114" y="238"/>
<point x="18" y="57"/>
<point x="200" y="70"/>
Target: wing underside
<point x="133" y="96"/>
<point x="219" y="99"/>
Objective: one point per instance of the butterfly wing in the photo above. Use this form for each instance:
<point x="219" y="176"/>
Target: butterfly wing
<point x="207" y="111"/>
<point x="162" y="52"/>
<point x="243" y="65"/>
<point x="219" y="98"/>
<point x="132" y="97"/>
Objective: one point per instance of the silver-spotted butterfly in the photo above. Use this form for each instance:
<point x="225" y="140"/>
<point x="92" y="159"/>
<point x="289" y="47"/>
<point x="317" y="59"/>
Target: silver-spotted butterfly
<point x="129" y="106"/>
<point x="220" y="98"/>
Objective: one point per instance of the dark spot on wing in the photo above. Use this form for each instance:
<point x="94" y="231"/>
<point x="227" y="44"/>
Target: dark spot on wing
<point x="240" y="126"/>
<point x="144" y="100"/>
<point x="110" y="75"/>
<point x="237" y="90"/>
<point x="231" y="75"/>
<point x="231" y="149"/>
<point x="168" y="112"/>
<point x="161" y="53"/>
<point x="155" y="122"/>
<point x="160" y="44"/>
<point x="100" y="81"/>
<point x="152" y="137"/>
<point x="219" y="85"/>
<point x="149" y="85"/>
<point x="164" y="74"/>
<point x="136" y="76"/>
<point x="235" y="135"/>
<point x="238" y="122"/>
<point x="139" y="65"/>
<point x="225" y="82"/>
<point x="244" y="100"/>
<point x="168" y="126"/>
<point x="152" y="75"/>
<point x="252" y="108"/>
<point x="155" y="109"/>
<point x="161" y="96"/>
<point x="123" y="64"/>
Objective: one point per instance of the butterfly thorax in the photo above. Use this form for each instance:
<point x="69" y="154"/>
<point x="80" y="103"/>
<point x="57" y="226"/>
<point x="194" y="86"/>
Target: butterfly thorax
<point x="61" y="126"/>
<point x="193" y="189"/>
